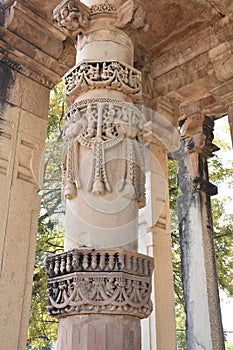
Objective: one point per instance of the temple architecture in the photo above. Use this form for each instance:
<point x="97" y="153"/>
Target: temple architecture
<point x="145" y="82"/>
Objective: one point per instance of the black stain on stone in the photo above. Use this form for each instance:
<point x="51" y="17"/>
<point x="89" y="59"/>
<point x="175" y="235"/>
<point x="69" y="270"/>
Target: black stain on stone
<point x="7" y="80"/>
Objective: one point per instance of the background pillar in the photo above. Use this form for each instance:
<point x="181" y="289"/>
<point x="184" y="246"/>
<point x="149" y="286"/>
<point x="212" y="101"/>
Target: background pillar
<point x="199" y="275"/>
<point x="29" y="50"/>
<point x="23" y="111"/>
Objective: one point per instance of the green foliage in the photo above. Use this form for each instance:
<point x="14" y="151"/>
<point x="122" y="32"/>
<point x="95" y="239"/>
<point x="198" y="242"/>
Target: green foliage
<point x="229" y="346"/>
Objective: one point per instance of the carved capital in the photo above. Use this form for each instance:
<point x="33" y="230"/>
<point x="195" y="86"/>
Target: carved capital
<point x="72" y="16"/>
<point x="195" y="148"/>
<point x="88" y="281"/>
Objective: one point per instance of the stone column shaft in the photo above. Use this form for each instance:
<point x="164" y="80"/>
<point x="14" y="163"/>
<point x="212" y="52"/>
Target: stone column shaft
<point x="162" y="246"/>
<point x="98" y="291"/>
<point x="22" y="137"/>
<point x="30" y="47"/>
<point x="199" y="275"/>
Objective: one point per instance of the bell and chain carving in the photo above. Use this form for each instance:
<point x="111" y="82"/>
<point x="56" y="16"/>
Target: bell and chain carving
<point x="110" y="75"/>
<point x="95" y="281"/>
<point x="100" y="124"/>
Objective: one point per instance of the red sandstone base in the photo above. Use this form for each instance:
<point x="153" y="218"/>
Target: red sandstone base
<point x="99" y="332"/>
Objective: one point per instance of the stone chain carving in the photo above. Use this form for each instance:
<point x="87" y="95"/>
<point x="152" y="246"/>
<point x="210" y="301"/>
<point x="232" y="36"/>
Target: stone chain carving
<point x="100" y="124"/>
<point x="108" y="290"/>
<point x="103" y="8"/>
<point x="72" y="16"/>
<point x="109" y="74"/>
<point x="96" y="260"/>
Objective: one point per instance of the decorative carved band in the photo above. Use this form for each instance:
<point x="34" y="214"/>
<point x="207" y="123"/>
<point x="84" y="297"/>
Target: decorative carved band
<point x="103" y="8"/>
<point x="103" y="119"/>
<point x="104" y="75"/>
<point x="102" y="284"/>
<point x="92" y="260"/>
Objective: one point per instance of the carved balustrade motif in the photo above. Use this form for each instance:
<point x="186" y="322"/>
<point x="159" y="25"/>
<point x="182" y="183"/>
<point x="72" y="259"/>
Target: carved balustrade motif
<point x="88" y="281"/>
<point x="109" y="75"/>
<point x="96" y="260"/>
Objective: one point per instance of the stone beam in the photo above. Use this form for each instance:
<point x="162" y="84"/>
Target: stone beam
<point x="205" y="70"/>
<point x="32" y="45"/>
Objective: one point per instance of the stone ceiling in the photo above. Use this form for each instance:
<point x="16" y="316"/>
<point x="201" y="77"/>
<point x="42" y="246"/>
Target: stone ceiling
<point x="185" y="53"/>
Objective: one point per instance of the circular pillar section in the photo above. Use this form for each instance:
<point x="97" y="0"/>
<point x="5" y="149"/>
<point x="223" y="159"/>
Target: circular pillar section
<point x="99" y="332"/>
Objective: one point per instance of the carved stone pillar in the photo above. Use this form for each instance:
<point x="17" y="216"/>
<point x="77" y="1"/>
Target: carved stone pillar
<point x="200" y="282"/>
<point x="103" y="155"/>
<point x="99" y="294"/>
<point x="28" y="69"/>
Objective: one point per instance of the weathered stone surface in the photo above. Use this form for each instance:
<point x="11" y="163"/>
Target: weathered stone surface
<point x="102" y="332"/>
<point x="183" y="49"/>
<point x="114" y="282"/>
<point x="22" y="142"/>
<point x="196" y="235"/>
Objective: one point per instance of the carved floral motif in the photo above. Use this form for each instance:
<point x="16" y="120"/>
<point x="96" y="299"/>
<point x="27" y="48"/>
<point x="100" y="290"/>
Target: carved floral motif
<point x="100" y="124"/>
<point x="72" y="16"/>
<point x="101" y="284"/>
<point x="109" y="74"/>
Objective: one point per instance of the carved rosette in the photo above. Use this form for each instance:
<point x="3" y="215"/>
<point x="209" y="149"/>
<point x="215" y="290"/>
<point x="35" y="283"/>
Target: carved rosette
<point x="104" y="75"/>
<point x="88" y="281"/>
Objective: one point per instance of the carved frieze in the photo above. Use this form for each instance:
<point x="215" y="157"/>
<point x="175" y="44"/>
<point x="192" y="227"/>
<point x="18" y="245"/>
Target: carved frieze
<point x="99" y="281"/>
<point x="109" y="74"/>
<point x="103" y="119"/>
<point x="72" y="15"/>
